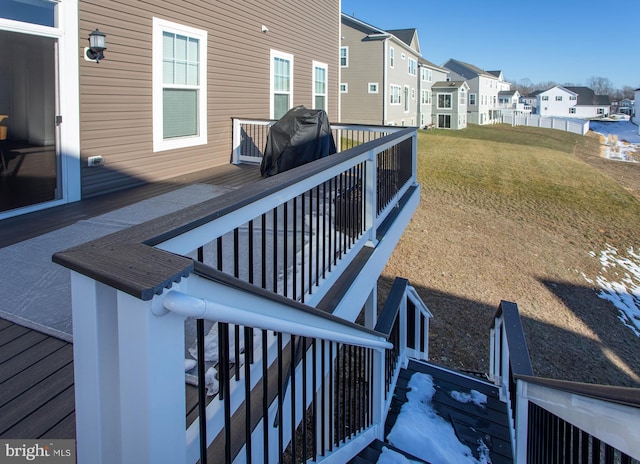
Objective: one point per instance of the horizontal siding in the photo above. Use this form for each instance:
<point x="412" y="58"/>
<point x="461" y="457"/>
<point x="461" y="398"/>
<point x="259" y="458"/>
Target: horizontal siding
<point x="116" y="94"/>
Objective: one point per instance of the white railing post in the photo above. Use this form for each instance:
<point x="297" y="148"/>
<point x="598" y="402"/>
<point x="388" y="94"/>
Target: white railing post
<point x="371" y="310"/>
<point x="378" y="392"/>
<point x="95" y="370"/>
<point x="519" y="441"/>
<point x="152" y="381"/>
<point x="236" y="141"/>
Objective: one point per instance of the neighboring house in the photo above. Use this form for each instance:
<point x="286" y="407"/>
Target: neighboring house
<point x="509" y="102"/>
<point x="384" y="79"/>
<point x="626" y="106"/>
<point x="532" y="100"/>
<point x="159" y="105"/>
<point x="575" y="102"/>
<point x="450" y="104"/>
<point x="636" y="117"/>
<point x="484" y="87"/>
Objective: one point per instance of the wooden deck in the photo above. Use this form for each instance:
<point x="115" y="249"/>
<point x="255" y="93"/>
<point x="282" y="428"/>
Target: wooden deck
<point x="36" y="370"/>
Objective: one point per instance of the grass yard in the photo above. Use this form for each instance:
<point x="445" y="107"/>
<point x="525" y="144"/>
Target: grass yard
<point x="518" y="213"/>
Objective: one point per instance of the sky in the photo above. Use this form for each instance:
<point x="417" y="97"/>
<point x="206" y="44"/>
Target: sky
<point x="545" y="40"/>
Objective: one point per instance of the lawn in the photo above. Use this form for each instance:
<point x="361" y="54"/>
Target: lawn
<point x="521" y="214"/>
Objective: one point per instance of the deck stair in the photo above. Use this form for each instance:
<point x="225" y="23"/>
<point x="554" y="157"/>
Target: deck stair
<point x="471" y="423"/>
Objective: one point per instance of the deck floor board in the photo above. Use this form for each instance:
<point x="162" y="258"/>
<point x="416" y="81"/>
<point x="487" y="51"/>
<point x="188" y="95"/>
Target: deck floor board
<point x="36" y="370"/>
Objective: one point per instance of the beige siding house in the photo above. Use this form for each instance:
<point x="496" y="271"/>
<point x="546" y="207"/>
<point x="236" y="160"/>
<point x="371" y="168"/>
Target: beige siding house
<point x="384" y="79"/>
<point x="159" y="105"/>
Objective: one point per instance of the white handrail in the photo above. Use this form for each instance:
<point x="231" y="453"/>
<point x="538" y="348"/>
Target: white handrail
<point x="190" y="306"/>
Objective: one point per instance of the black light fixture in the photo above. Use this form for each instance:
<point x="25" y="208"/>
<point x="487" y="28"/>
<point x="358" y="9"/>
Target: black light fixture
<point x="97" y="45"/>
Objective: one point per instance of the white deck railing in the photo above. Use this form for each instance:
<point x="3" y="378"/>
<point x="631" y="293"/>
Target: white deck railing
<point x="587" y="419"/>
<point x="129" y="351"/>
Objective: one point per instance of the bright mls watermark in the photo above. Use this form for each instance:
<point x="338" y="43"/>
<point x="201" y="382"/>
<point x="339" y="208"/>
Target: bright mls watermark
<point x="38" y="451"/>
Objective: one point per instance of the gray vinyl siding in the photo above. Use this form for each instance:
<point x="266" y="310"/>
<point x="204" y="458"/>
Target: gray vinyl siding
<point x="116" y="94"/>
<point x="366" y="64"/>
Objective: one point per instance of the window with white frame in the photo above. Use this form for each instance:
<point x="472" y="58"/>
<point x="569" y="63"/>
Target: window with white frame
<point x="558" y="98"/>
<point x="425" y="97"/>
<point x="472" y="99"/>
<point x="344" y="57"/>
<point x="572" y="110"/>
<point x="392" y="56"/>
<point x="406" y="98"/>
<point x="545" y="98"/>
<point x="179" y="76"/>
<point x="395" y="94"/>
<point x="444" y="100"/>
<point x="413" y="93"/>
<point x="572" y="97"/>
<point x="281" y="83"/>
<point x="372" y="87"/>
<point x="413" y="67"/>
<point x="319" y="86"/>
<point x="344" y="87"/>
<point x="463" y="97"/>
<point x="427" y="75"/>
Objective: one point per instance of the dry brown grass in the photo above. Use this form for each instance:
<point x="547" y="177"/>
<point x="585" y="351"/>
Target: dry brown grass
<point x="513" y="213"/>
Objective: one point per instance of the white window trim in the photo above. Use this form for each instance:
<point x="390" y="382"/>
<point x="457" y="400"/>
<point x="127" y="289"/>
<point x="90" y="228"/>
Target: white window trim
<point x="346" y="65"/>
<point x="370" y="85"/>
<point x="392" y="57"/>
<point x="392" y="87"/>
<point x="284" y="56"/>
<point x="444" y="107"/>
<point x="405" y="93"/>
<point x="345" y="86"/>
<point x="415" y="67"/>
<point x="159" y="143"/>
<point x="317" y="64"/>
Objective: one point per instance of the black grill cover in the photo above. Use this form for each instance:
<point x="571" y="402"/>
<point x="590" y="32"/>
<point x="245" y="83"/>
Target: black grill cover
<point x="299" y="137"/>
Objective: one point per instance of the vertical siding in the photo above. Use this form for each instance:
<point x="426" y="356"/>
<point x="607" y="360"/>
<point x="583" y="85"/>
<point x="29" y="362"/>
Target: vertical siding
<point x="116" y="94"/>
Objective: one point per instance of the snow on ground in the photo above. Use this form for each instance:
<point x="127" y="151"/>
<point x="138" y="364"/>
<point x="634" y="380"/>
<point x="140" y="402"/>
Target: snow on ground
<point x="619" y="283"/>
<point x="621" y="139"/>
<point x="420" y="431"/>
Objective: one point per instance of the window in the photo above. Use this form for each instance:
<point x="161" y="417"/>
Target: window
<point x="572" y="110"/>
<point x="344" y="87"/>
<point x="463" y="97"/>
<point x="545" y="98"/>
<point x="406" y="99"/>
<point x="373" y="87"/>
<point x="600" y="110"/>
<point x="319" y="86"/>
<point x="392" y="56"/>
<point x="472" y="98"/>
<point x="395" y="94"/>
<point x="425" y="97"/>
<point x="444" y="121"/>
<point x="444" y="100"/>
<point x="572" y="97"/>
<point x="413" y="66"/>
<point x="179" y="73"/>
<point x="281" y="83"/>
<point x="413" y="93"/>
<point x="558" y="98"/>
<point x="426" y="75"/>
<point x="344" y="57"/>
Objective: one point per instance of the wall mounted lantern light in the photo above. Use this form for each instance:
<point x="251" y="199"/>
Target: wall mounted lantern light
<point x="97" y="45"/>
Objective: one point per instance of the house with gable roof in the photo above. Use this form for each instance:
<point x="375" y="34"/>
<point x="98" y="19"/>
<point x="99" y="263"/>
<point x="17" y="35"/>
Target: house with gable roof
<point x="450" y="99"/>
<point x="384" y="79"/>
<point x="484" y="89"/>
<point x="575" y="102"/>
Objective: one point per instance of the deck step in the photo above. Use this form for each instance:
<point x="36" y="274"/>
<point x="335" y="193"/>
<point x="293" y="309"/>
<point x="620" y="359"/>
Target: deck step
<point x="371" y="453"/>
<point x="471" y="423"/>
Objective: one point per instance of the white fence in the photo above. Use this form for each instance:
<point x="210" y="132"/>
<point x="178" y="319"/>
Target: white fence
<point x="576" y="126"/>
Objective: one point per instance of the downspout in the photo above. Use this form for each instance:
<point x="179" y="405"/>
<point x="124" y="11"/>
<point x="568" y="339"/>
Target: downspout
<point x="384" y="81"/>
<point x="419" y="96"/>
